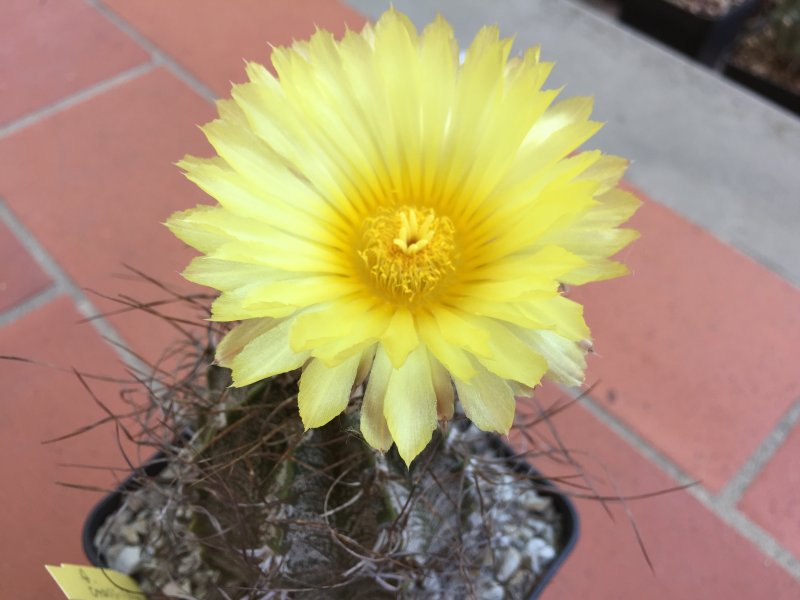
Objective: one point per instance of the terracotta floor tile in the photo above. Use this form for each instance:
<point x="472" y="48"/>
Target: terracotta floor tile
<point x="697" y="348"/>
<point x="694" y="554"/>
<point x="772" y="499"/>
<point x="211" y="39"/>
<point x="20" y="276"/>
<point x="49" y="50"/>
<point x="95" y="182"/>
<point x="41" y="520"/>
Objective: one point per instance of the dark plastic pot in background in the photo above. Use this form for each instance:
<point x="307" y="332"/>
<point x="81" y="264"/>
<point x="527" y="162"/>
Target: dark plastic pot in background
<point x="704" y="38"/>
<point x="112" y="503"/>
<point x="563" y="505"/>
<point x="765" y="87"/>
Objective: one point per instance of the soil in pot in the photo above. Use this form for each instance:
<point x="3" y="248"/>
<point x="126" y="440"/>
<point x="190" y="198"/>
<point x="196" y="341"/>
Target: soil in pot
<point x="767" y="58"/>
<point x="702" y="29"/>
<point x="712" y="9"/>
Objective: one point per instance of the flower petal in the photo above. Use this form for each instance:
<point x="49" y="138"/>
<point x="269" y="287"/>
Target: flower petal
<point x="229" y="306"/>
<point x="373" y="423"/>
<point x="455" y="360"/>
<point x="266" y="355"/>
<point x="456" y="329"/>
<point x="356" y="318"/>
<point x="511" y="357"/>
<point x="443" y="386"/>
<point x="597" y="269"/>
<point x="410" y="405"/>
<point x="205" y="239"/>
<point x="226" y="275"/>
<point x="607" y="171"/>
<point x="565" y="317"/>
<point x="400" y="338"/>
<point x="566" y="359"/>
<point x="365" y="365"/>
<point x="325" y="391"/>
<point x="238" y="337"/>
<point x="487" y="401"/>
<point x="259" y="200"/>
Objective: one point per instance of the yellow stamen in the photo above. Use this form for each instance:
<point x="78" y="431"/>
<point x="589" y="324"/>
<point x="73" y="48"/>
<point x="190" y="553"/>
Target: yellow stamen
<point x="408" y="251"/>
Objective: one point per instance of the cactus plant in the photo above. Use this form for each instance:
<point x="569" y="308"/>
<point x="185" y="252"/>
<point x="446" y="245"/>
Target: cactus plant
<point x="771" y="47"/>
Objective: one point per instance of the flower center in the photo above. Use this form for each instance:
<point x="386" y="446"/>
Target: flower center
<point x="408" y="251"/>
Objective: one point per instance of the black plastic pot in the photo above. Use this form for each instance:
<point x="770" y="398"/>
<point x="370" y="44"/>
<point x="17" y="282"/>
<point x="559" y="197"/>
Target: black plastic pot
<point x="570" y="523"/>
<point x="765" y="87"/>
<point x="563" y="505"/>
<point x="112" y="503"/>
<point x="704" y="38"/>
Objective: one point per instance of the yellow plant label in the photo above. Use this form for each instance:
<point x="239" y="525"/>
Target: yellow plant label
<point x="88" y="583"/>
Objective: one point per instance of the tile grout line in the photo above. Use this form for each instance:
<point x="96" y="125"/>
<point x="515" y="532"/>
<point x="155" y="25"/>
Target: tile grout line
<point x="716" y="504"/>
<point x="158" y="56"/>
<point x="744" y="477"/>
<point x="80" y="96"/>
<point x="750" y="531"/>
<point x="632" y="438"/>
<point x="63" y="284"/>
<point x="30" y="304"/>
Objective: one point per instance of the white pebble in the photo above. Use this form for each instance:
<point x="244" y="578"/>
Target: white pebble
<point x="509" y="565"/>
<point x="475" y="520"/>
<point x="127" y="559"/>
<point x="539" y="552"/>
<point x="129" y="534"/>
<point x="432" y="584"/>
<point x="491" y="591"/>
<point x="533" y="501"/>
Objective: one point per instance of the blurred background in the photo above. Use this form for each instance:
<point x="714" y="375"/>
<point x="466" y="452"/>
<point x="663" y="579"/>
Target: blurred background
<point x="696" y="374"/>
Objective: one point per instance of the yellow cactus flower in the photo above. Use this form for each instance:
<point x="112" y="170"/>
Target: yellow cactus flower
<point x="387" y="211"/>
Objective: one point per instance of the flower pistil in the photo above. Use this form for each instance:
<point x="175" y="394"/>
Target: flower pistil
<point x="408" y="251"/>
